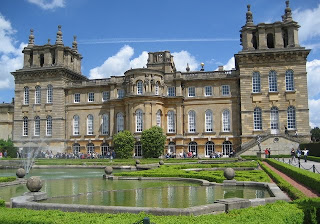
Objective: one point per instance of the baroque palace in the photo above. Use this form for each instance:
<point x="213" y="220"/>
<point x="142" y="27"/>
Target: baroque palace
<point x="265" y="96"/>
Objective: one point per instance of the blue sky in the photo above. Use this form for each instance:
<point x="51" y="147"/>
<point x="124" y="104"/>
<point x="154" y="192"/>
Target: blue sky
<point x="114" y="36"/>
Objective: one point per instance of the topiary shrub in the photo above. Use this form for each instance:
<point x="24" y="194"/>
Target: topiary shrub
<point x="123" y="144"/>
<point x="152" y="142"/>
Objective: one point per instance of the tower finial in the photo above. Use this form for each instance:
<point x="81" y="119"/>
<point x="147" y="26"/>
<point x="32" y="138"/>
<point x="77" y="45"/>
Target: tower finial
<point x="188" y="68"/>
<point x="59" y="36"/>
<point x="249" y="17"/>
<point x="75" y="44"/>
<point x="31" y="39"/>
<point x="287" y="17"/>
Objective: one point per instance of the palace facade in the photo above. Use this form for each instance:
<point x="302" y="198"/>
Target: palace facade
<point x="58" y="108"/>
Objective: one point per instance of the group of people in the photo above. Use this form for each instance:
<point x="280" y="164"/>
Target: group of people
<point x="298" y="153"/>
<point x="267" y="152"/>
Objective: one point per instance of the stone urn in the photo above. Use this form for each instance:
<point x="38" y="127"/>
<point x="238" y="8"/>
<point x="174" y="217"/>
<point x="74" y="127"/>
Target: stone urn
<point x="137" y="161"/>
<point x="108" y="170"/>
<point x="34" y="184"/>
<point x="20" y="173"/>
<point x="229" y="173"/>
<point x="161" y="162"/>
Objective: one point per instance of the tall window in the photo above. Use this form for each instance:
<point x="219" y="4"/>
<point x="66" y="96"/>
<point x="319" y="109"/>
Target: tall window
<point x="171" y="91"/>
<point x="91" y="97"/>
<point x="120" y="93"/>
<point x="37" y="97"/>
<point x="291" y="113"/>
<point x="157" y="88"/>
<point x="274" y="118"/>
<point x="120" y="122"/>
<point x="257" y="119"/>
<point x="25" y="126"/>
<point x="37" y="126"/>
<point x="26" y="95"/>
<point x="49" y="93"/>
<point x="209" y="121"/>
<point x="193" y="148"/>
<point x="171" y="122"/>
<point x="208" y="90"/>
<point x="289" y="80"/>
<point x="171" y="148"/>
<point x="225" y="90"/>
<point x="76" y="148"/>
<point x="139" y="87"/>
<point x="226" y="121"/>
<point x="192" y="121"/>
<point x="138" y="149"/>
<point x="158" y="118"/>
<point x="226" y="148"/>
<point x="191" y="91"/>
<point x="104" y="149"/>
<point x="49" y="126"/>
<point x="76" y="121"/>
<point x="77" y="97"/>
<point x="139" y="121"/>
<point x="90" y="148"/>
<point x="256" y="84"/>
<point x="105" y="96"/>
<point x="105" y="124"/>
<point x="90" y="124"/>
<point x="273" y="86"/>
<point x="209" y="148"/>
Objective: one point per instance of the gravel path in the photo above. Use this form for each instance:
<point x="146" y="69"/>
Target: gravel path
<point x="307" y="191"/>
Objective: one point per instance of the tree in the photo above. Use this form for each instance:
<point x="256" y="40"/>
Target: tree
<point x="315" y="134"/>
<point x="152" y="142"/>
<point x="123" y="144"/>
<point x="7" y="145"/>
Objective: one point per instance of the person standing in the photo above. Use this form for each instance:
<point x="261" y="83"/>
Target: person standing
<point x="266" y="152"/>
<point x="269" y="152"/>
<point x="298" y="154"/>
<point x="305" y="154"/>
<point x="293" y="155"/>
<point x="285" y="130"/>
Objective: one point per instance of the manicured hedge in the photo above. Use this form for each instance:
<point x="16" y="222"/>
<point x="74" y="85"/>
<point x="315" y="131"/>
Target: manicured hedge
<point x="314" y="148"/>
<point x="311" y="209"/>
<point x="314" y="158"/>
<point x="7" y="179"/>
<point x="293" y="192"/>
<point x="312" y="180"/>
<point x="2" y="203"/>
<point x="277" y="213"/>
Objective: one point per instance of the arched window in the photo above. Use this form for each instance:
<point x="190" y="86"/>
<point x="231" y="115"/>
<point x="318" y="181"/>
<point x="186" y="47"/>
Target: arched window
<point x="90" y="148"/>
<point x="139" y="87"/>
<point x="37" y="126"/>
<point x="209" y="121"/>
<point x="171" y="122"/>
<point x="193" y="148"/>
<point x="257" y="119"/>
<point x="256" y="86"/>
<point x="105" y="149"/>
<point x="26" y="95"/>
<point x="158" y="118"/>
<point x="192" y="121"/>
<point x="157" y="92"/>
<point x="76" y="121"/>
<point x="270" y="41"/>
<point x="25" y="126"/>
<point x="76" y="148"/>
<point x="37" y="96"/>
<point x="273" y="86"/>
<point x="274" y="118"/>
<point x="139" y="121"/>
<point x="226" y="148"/>
<point x="209" y="148"/>
<point x="49" y="93"/>
<point x="138" y="149"/>
<point x="291" y="117"/>
<point x="120" y="122"/>
<point x="172" y="148"/>
<point x="49" y="126"/>
<point x="226" y="121"/>
<point x="105" y="124"/>
<point x="289" y="80"/>
<point x="90" y="124"/>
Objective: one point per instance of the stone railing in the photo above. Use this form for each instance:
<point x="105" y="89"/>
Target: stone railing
<point x="209" y="75"/>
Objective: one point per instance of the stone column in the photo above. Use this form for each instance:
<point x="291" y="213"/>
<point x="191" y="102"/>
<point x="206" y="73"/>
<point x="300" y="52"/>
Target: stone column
<point x="179" y="120"/>
<point x="112" y="121"/>
<point x="148" y="116"/>
<point x="262" y="38"/>
<point x="278" y="37"/>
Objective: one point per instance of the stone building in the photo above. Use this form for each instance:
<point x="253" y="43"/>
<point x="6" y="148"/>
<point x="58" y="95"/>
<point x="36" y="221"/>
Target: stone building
<point x="200" y="111"/>
<point x="6" y="120"/>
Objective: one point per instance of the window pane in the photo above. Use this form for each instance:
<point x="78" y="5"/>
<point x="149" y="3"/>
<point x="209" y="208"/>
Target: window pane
<point x="91" y="97"/>
<point x="49" y="126"/>
<point x="90" y="125"/>
<point x="225" y="90"/>
<point x="37" y="126"/>
<point x="49" y="94"/>
<point x="192" y="121"/>
<point x="256" y="88"/>
<point x="77" y="97"/>
<point x="208" y="91"/>
<point x="26" y="96"/>
<point x="273" y="86"/>
<point x="289" y="80"/>
<point x="105" y="96"/>
<point x="291" y="117"/>
<point x="209" y="121"/>
<point x="257" y="119"/>
<point x="171" y="122"/>
<point x="105" y="124"/>
<point x="171" y="91"/>
<point x="274" y="117"/>
<point x="139" y="87"/>
<point x="191" y="91"/>
<point x="226" y="121"/>
<point x="38" y="95"/>
<point x="76" y="125"/>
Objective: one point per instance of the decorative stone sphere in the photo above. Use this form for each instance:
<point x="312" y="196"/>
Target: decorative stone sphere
<point x="34" y="184"/>
<point x="20" y="173"/>
<point x="137" y="161"/>
<point x="229" y="173"/>
<point x="161" y="162"/>
<point x="108" y="170"/>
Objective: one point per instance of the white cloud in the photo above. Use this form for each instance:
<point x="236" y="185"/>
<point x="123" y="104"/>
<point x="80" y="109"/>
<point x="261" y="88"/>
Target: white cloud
<point x="314" y="107"/>
<point x="230" y="64"/>
<point x="182" y="58"/>
<point x="11" y="58"/>
<point x="47" y="4"/>
<point x="309" y="20"/>
<point x="313" y="69"/>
